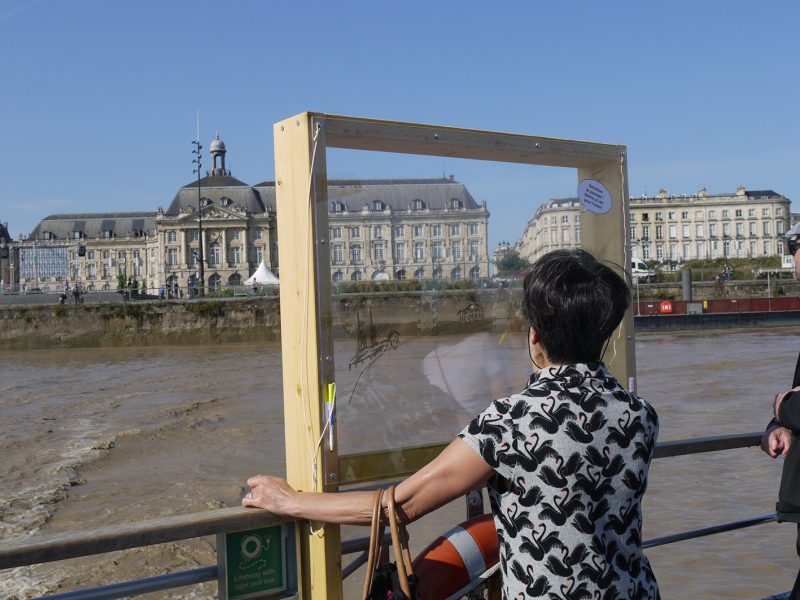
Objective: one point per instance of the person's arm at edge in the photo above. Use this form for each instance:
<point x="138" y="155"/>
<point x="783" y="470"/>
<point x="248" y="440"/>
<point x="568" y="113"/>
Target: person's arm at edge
<point x="787" y="409"/>
<point x="457" y="470"/>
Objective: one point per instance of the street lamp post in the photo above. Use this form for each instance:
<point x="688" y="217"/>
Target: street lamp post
<point x="197" y="161"/>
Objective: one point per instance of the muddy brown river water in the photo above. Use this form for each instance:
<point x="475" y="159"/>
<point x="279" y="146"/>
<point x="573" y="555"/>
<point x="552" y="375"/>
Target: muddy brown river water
<point x="96" y="437"/>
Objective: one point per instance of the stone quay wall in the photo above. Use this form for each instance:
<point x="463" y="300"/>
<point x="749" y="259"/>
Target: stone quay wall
<point x="144" y="323"/>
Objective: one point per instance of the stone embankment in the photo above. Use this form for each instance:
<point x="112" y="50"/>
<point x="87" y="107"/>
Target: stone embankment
<point x="144" y="323"/>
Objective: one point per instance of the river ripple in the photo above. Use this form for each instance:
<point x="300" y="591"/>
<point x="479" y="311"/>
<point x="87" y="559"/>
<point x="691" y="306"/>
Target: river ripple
<point x="94" y="437"/>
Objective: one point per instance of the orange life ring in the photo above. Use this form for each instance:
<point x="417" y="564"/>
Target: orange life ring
<point x="456" y="558"/>
<point x="665" y="308"/>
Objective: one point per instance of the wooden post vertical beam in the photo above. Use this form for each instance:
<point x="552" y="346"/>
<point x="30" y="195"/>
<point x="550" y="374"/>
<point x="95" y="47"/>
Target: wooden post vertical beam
<point x="301" y="197"/>
<point x="607" y="237"/>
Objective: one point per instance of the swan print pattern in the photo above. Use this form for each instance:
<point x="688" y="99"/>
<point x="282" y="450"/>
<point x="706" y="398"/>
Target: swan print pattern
<point x="571" y="454"/>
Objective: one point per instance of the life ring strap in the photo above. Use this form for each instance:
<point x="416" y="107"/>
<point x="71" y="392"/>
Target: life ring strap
<point x="468" y="549"/>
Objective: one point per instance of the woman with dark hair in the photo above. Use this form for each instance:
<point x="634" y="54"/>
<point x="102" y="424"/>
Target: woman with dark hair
<point x="565" y="460"/>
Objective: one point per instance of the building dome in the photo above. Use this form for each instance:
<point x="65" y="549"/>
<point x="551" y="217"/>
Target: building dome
<point x="217" y="145"/>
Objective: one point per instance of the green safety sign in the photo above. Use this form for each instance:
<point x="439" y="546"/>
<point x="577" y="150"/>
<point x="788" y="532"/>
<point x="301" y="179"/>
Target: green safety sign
<point x="253" y="564"/>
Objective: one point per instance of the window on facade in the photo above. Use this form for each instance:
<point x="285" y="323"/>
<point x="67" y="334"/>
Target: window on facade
<point x="122" y="255"/>
<point x="259" y="254"/>
<point x="338" y="254"/>
<point x="377" y="252"/>
<point x="660" y="252"/>
<point x="377" y="231"/>
<point x="90" y="255"/>
<point x="456" y="203"/>
<point x="438" y="252"/>
<point x="698" y="214"/>
<point x="753" y="250"/>
<point x="552" y="220"/>
<point x="712" y="230"/>
<point x="417" y="230"/>
<point x="698" y="231"/>
<point x="725" y="213"/>
<point x="214" y="259"/>
<point x="356" y="276"/>
<point x="673" y="251"/>
<point x="337" y="207"/>
<point x="766" y="227"/>
<point x="172" y="257"/>
<point x="455" y="229"/>
<point x="738" y="212"/>
<point x="565" y="235"/>
<point x="685" y="214"/>
<point x="419" y="205"/>
<point x="355" y="232"/>
<point x="107" y="255"/>
<point x="337" y="276"/>
<point x="764" y="212"/>
<point x="673" y="232"/>
<point x="633" y="233"/>
<point x="473" y="229"/>
<point x="577" y="218"/>
<point x="474" y="273"/>
<point x="378" y="205"/>
<point x="456" y="250"/>
<point x="578" y="235"/>
<point x="671" y="216"/>
<point x="234" y="255"/>
<point x="399" y="231"/>
<point x="565" y="218"/>
<point x="753" y="229"/>
<point x="419" y="251"/>
<point x="436" y="231"/>
<point x="686" y="231"/>
<point x="437" y="273"/>
<point x="726" y="229"/>
<point x="659" y="216"/>
<point x="91" y="271"/>
<point x="259" y="234"/>
<point x="778" y="211"/>
<point x="474" y="253"/>
<point x="751" y="212"/>
<point x="400" y="252"/>
<point x="712" y="214"/>
<point x="355" y="254"/>
<point x="659" y="232"/>
<point x="172" y="236"/>
<point x="779" y="226"/>
<point x="740" y="229"/>
<point x="646" y="252"/>
<point x="336" y="233"/>
<point x="767" y="249"/>
<point x="645" y="216"/>
<point x="685" y="255"/>
<point x="700" y="250"/>
<point x="726" y="248"/>
<point x="645" y="232"/>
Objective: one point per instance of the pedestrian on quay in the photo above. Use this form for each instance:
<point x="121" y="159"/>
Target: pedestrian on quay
<point x="565" y="460"/>
<point x="779" y="438"/>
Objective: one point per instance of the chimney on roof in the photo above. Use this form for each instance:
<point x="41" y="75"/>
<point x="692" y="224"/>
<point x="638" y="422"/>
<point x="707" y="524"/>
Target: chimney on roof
<point x="702" y="192"/>
<point x="452" y="177"/>
<point x="740" y="191"/>
<point x="662" y="193"/>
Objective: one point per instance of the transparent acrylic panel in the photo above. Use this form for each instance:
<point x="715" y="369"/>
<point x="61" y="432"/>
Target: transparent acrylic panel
<point x="426" y="333"/>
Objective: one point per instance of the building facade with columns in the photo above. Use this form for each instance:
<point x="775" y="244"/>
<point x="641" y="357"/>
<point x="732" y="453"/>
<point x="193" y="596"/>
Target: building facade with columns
<point x="379" y="230"/>
<point x="672" y="229"/>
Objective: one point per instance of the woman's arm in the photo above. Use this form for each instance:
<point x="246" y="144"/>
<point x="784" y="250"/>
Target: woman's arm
<point x="457" y="470"/>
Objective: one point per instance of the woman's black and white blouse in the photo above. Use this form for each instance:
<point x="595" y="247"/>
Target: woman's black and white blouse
<point x="571" y="454"/>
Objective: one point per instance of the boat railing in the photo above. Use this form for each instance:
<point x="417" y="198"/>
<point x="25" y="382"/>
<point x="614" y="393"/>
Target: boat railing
<point x="42" y="549"/>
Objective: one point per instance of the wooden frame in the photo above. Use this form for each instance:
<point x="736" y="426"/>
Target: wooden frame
<point x="307" y="345"/>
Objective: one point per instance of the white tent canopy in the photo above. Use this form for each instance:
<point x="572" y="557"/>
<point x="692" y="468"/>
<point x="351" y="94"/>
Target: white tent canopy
<point x="262" y="276"/>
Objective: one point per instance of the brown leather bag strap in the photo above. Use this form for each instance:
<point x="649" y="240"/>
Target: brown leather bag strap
<point x="399" y="544"/>
<point x="375" y="535"/>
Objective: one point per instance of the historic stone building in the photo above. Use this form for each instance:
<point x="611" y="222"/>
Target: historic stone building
<point x="674" y="229"/>
<point x="379" y="230"/>
<point x="7" y="262"/>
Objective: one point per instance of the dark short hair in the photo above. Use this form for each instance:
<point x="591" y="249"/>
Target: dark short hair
<point x="574" y="303"/>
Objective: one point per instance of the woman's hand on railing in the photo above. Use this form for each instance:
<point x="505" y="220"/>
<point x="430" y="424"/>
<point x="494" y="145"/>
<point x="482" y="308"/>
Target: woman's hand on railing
<point x="271" y="493"/>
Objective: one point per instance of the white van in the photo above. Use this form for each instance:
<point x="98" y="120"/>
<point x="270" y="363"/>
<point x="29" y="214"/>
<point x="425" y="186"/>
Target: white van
<point x="640" y="272"/>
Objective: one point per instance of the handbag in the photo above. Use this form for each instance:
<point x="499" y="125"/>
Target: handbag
<point x="388" y="581"/>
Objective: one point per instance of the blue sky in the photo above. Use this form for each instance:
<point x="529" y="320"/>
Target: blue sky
<point x="99" y="97"/>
